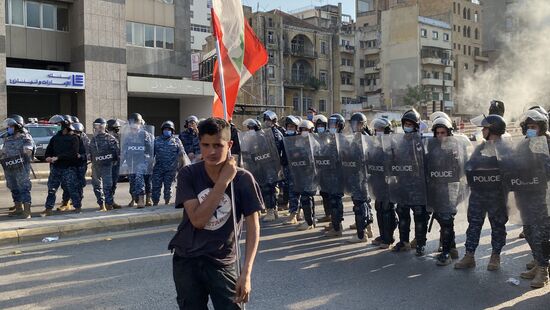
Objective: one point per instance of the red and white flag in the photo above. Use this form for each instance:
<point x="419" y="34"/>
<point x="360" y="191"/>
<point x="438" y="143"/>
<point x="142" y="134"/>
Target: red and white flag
<point x="241" y="52"/>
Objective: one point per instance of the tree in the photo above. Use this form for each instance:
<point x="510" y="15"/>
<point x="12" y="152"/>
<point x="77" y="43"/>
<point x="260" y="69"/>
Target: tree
<point x="415" y="95"/>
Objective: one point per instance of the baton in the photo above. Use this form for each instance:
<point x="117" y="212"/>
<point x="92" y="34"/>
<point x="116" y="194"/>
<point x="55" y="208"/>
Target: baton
<point x="431" y="223"/>
<point x="32" y="170"/>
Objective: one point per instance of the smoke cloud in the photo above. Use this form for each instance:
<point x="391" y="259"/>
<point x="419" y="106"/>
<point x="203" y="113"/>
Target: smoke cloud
<point x="521" y="75"/>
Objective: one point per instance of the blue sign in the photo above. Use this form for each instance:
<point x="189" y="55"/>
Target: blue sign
<point x="45" y="78"/>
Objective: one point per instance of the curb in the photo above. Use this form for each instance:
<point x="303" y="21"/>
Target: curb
<point x="90" y="226"/>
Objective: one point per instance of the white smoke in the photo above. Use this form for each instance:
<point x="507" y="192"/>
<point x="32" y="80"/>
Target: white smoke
<point x="521" y="75"/>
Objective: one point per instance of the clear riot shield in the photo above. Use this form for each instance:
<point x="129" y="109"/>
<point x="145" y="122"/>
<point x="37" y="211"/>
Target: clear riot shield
<point x="260" y="156"/>
<point x="445" y="178"/>
<point x="352" y="148"/>
<point x="328" y="164"/>
<point x="377" y="167"/>
<point x="16" y="165"/>
<point x="299" y="153"/>
<point x="136" y="149"/>
<point x="525" y="173"/>
<point x="406" y="177"/>
<point x="101" y="150"/>
<point x="482" y="169"/>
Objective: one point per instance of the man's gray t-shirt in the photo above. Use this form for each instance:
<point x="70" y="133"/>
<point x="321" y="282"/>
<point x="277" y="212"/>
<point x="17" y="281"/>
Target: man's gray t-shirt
<point x="216" y="241"/>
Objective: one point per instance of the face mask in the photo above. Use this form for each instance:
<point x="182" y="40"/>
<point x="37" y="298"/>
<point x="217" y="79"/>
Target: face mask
<point x="379" y="133"/>
<point x="321" y="129"/>
<point x="11" y="131"/>
<point x="408" y="129"/>
<point x="531" y="133"/>
<point x="167" y="133"/>
<point x="310" y="117"/>
<point x="290" y="132"/>
<point x="304" y="133"/>
<point x="268" y="124"/>
<point x="333" y="130"/>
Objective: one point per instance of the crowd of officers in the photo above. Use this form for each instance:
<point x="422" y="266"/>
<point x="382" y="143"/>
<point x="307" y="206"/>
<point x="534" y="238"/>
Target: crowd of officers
<point x="112" y="150"/>
<point x="442" y="204"/>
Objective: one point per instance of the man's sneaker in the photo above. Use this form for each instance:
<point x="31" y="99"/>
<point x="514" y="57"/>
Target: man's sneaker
<point x="328" y="228"/>
<point x="356" y="239"/>
<point x="369" y="231"/>
<point x="102" y="208"/>
<point x="271" y="215"/>
<point x="292" y="219"/>
<point x="468" y="261"/>
<point x="529" y="275"/>
<point x="324" y="219"/>
<point x="494" y="262"/>
<point x="454" y="253"/>
<point x="541" y="277"/>
<point x="377" y="241"/>
<point x="401" y="247"/>
<point x="420" y="250"/>
<point x="530" y="265"/>
<point x="443" y="259"/>
<point x="333" y="233"/>
<point x="109" y="207"/>
<point x="304" y="226"/>
<point x="46" y="212"/>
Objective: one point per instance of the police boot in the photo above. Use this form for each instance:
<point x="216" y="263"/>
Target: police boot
<point x="155" y="203"/>
<point x="305" y="226"/>
<point x="443" y="259"/>
<point x="368" y="231"/>
<point x="12" y="208"/>
<point x="530" y="265"/>
<point x="167" y="201"/>
<point x="454" y="253"/>
<point x="413" y="243"/>
<point x="333" y="233"/>
<point x="353" y="226"/>
<point x="26" y="211"/>
<point x="65" y="206"/>
<point x="468" y="261"/>
<point x="148" y="201"/>
<point x="109" y="207"/>
<point x="292" y="219"/>
<point x="141" y="202"/>
<point x="401" y="247"/>
<point x="271" y="215"/>
<point x="521" y="235"/>
<point x="529" y="275"/>
<point x="328" y="227"/>
<point x="102" y="208"/>
<point x="494" y="262"/>
<point x="116" y="206"/>
<point x="132" y="203"/>
<point x="356" y="239"/>
<point x="46" y="212"/>
<point x="541" y="277"/>
<point x="324" y="219"/>
<point x="18" y="210"/>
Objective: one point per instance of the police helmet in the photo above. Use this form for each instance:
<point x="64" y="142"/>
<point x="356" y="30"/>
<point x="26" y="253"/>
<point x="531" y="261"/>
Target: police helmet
<point x="18" y="118"/>
<point x="75" y="119"/>
<point x="495" y="123"/>
<point x="168" y="124"/>
<point x="320" y="120"/>
<point x="381" y="124"/>
<point x="136" y="118"/>
<point x="497" y="108"/>
<point x="338" y="120"/>
<point x="100" y="121"/>
<point x="438" y="114"/>
<point x="270" y="115"/>
<point x="442" y="122"/>
<point x="292" y="120"/>
<point x="251" y="123"/>
<point x="78" y="127"/>
<point x="534" y="117"/>
<point x="411" y="116"/>
<point x="10" y="122"/>
<point x="307" y="125"/>
<point x="113" y="124"/>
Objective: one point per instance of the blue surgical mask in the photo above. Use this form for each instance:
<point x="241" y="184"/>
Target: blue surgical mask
<point x="321" y="129"/>
<point x="408" y="129"/>
<point x="310" y="117"/>
<point x="11" y="131"/>
<point x="333" y="130"/>
<point x="531" y="133"/>
<point x="167" y="133"/>
<point x="290" y="132"/>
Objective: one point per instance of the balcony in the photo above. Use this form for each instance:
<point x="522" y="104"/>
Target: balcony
<point x="347" y="49"/>
<point x="372" y="50"/>
<point x="373" y="88"/>
<point x="372" y="70"/>
<point x="347" y="87"/>
<point x="481" y="59"/>
<point x="307" y="82"/>
<point x="436" y="61"/>
<point x="296" y="52"/>
<point x="349" y="69"/>
<point x="432" y="81"/>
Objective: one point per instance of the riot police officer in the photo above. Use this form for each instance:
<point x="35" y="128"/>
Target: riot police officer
<point x="252" y="124"/>
<point x="103" y="151"/>
<point x="169" y="154"/>
<point x="487" y="194"/>
<point x="291" y="129"/>
<point x="411" y="124"/>
<point x="308" y="186"/>
<point x="64" y="155"/>
<point x="80" y="132"/>
<point x="15" y="157"/>
<point x="386" y="216"/>
<point x="321" y="123"/>
<point x="336" y="124"/>
<point x="269" y="191"/>
<point x="190" y="138"/>
<point x="113" y="128"/>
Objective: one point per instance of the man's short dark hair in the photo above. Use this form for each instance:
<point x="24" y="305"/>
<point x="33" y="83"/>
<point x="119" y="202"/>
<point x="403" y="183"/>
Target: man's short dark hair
<point x="213" y="126"/>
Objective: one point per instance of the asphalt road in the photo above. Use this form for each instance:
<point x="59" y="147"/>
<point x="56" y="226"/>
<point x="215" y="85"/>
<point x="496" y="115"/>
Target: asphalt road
<point x="294" y="270"/>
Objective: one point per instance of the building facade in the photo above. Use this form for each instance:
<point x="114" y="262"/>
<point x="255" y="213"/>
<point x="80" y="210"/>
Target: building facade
<point x="201" y="22"/>
<point x="99" y="58"/>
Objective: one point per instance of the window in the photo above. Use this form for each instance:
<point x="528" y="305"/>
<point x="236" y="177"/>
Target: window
<point x="454" y="27"/>
<point x="149" y="35"/>
<point x="361" y="63"/>
<point x="271" y="55"/>
<point x="469" y="16"/>
<point x="191" y="14"/>
<point x="324" y="49"/>
<point x="476" y="34"/>
<point x="62" y="19"/>
<point x="447" y="76"/>
<point x="464" y="13"/>
<point x="296" y="103"/>
<point x="270" y="22"/>
<point x="270" y="37"/>
<point x="469" y="32"/>
<point x="447" y="97"/>
<point x="138" y="36"/>
<point x="435" y="35"/>
<point x="464" y="30"/>
<point x="454" y="46"/>
<point x="435" y="75"/>
<point x="159" y="37"/>
<point x="423" y="33"/>
<point x="458" y="28"/>
<point x="465" y="66"/>
<point x="476" y="51"/>
<point x="454" y="7"/>
<point x="362" y="81"/>
<point x="17" y="13"/>
<point x="169" y="36"/>
<point x="435" y="96"/>
<point x="322" y="105"/>
<point x="192" y="39"/>
<point x="271" y="72"/>
<point x="129" y="33"/>
<point x="33" y="14"/>
<point x="323" y="77"/>
<point x="476" y="67"/>
<point x="200" y="28"/>
<point x="476" y="17"/>
<point x="446" y="37"/>
<point x="465" y="50"/>
<point x="509" y="24"/>
<point x="48" y="16"/>
<point x="306" y="103"/>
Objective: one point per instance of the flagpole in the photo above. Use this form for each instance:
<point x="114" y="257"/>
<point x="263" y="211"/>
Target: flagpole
<point x="233" y="207"/>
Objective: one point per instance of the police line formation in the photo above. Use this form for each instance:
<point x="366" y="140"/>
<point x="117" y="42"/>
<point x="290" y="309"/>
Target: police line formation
<point x="501" y="178"/>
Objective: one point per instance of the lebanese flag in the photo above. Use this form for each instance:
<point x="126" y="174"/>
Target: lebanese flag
<point x="241" y="52"/>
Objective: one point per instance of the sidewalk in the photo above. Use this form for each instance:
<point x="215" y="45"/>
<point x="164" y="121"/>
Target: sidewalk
<point x="19" y="231"/>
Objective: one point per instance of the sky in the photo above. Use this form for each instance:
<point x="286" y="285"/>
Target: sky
<point x="348" y="6"/>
